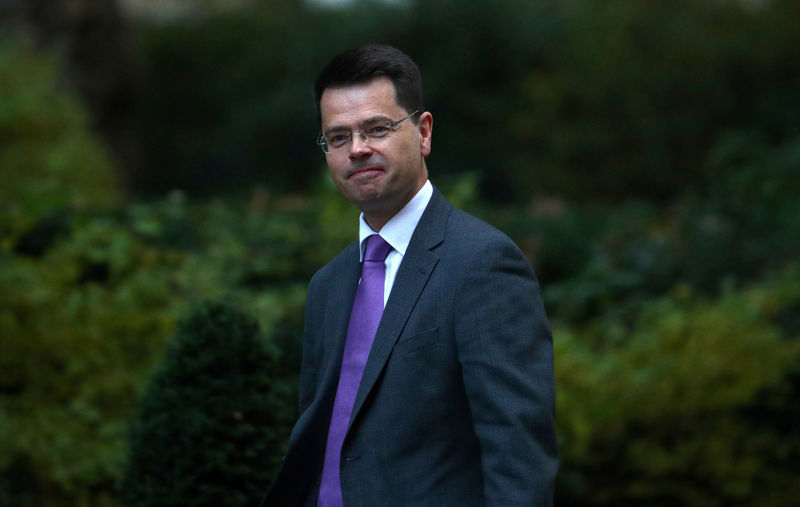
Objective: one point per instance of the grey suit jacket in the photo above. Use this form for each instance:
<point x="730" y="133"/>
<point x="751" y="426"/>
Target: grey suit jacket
<point x="456" y="404"/>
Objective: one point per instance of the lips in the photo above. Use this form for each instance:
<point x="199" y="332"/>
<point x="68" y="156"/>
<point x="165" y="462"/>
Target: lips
<point x="365" y="171"/>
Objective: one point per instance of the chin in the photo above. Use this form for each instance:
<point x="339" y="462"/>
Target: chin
<point x="366" y="195"/>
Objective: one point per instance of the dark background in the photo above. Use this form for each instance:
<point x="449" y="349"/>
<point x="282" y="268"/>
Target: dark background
<point x="644" y="155"/>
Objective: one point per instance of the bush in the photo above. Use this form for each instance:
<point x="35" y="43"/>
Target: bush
<point x="212" y="423"/>
<point x="79" y="296"/>
<point x="654" y="413"/>
<point x="81" y="326"/>
<point x="50" y="163"/>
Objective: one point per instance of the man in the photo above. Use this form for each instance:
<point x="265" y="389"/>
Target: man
<point x="427" y="364"/>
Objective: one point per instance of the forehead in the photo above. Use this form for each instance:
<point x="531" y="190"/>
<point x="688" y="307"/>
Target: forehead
<point x="348" y="105"/>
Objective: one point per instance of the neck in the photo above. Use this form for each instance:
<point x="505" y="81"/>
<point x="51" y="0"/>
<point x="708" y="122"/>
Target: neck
<point x="376" y="222"/>
<point x="377" y="217"/>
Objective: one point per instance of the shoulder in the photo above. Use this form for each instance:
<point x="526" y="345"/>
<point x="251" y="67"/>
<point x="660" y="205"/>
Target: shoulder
<point x="462" y="225"/>
<point x="467" y="247"/>
<point x="336" y="266"/>
<point x="476" y="241"/>
<point x="443" y="222"/>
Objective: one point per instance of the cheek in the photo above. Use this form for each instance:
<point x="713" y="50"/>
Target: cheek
<point x="411" y="146"/>
<point x="336" y="172"/>
<point x="334" y="167"/>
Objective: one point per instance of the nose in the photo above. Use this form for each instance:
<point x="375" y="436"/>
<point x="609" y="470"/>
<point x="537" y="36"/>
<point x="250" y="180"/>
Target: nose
<point x="359" y="147"/>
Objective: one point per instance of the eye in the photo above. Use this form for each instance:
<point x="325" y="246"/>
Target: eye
<point x="377" y="130"/>
<point x="337" y="140"/>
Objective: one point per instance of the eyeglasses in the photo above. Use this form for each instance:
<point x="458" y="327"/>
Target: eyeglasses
<point x="372" y="132"/>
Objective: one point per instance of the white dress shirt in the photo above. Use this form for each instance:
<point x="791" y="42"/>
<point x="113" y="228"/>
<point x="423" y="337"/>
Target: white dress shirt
<point x="397" y="232"/>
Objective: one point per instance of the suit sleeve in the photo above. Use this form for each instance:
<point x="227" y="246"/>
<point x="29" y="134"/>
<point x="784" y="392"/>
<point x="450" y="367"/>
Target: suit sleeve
<point x="309" y="367"/>
<point x="506" y="352"/>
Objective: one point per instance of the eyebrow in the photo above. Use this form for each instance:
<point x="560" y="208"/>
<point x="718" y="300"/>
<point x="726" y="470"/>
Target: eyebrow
<point x="362" y="123"/>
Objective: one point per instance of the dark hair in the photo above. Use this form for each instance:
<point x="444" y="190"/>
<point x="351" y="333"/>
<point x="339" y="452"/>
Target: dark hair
<point x="363" y="64"/>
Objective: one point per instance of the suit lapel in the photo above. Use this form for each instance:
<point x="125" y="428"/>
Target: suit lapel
<point x="334" y="329"/>
<point x="304" y="460"/>
<point x="415" y="270"/>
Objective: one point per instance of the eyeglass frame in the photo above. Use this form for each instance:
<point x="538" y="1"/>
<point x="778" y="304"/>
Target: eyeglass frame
<point x="392" y="126"/>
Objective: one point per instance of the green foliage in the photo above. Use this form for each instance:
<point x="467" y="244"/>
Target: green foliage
<point x="80" y="328"/>
<point x="83" y="324"/>
<point x="739" y="224"/>
<point x="49" y="161"/>
<point x="90" y="291"/>
<point x="212" y="422"/>
<point x="652" y="413"/>
<point x="71" y="317"/>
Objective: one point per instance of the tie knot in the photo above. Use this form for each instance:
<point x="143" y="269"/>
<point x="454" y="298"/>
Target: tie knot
<point x="377" y="249"/>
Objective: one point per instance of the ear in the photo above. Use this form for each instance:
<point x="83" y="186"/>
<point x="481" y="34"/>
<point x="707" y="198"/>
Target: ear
<point x="425" y="126"/>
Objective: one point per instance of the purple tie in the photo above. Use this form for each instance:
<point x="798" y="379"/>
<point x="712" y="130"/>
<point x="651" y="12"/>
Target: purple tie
<point x="364" y="319"/>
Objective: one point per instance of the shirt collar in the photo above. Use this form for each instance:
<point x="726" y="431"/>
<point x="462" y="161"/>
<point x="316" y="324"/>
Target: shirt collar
<point x="398" y="230"/>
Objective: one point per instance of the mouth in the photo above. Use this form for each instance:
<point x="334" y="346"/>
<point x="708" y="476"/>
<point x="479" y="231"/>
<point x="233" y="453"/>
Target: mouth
<point x="365" y="172"/>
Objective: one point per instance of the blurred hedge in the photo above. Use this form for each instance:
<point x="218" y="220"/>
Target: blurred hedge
<point x="596" y="100"/>
<point x="671" y="408"/>
<point x="90" y="289"/>
<point x="48" y="159"/>
<point x="211" y="426"/>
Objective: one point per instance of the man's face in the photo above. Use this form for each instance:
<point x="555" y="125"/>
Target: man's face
<point x="382" y="176"/>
